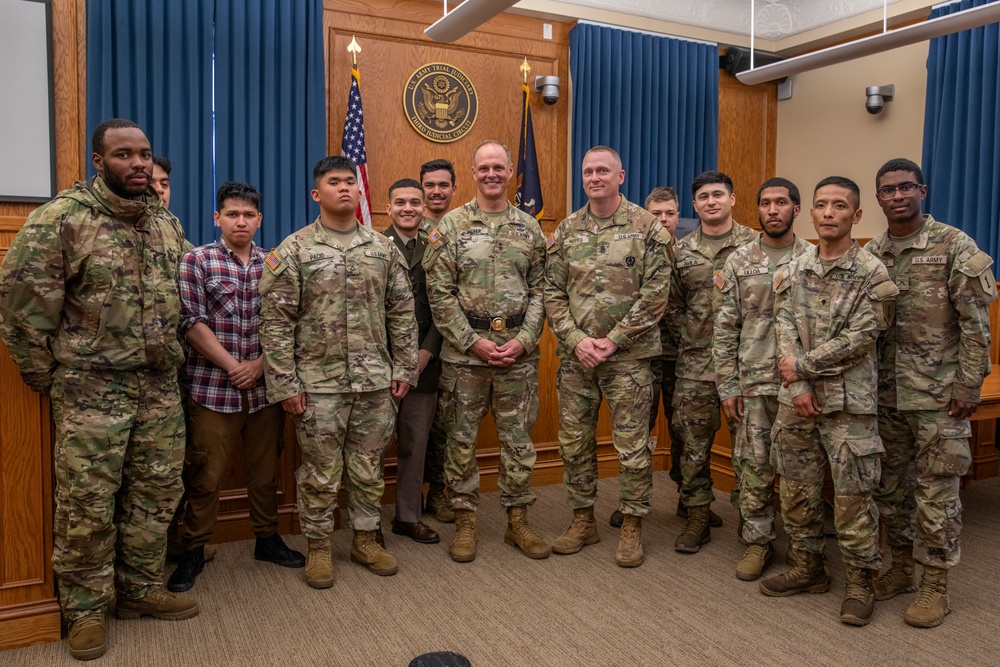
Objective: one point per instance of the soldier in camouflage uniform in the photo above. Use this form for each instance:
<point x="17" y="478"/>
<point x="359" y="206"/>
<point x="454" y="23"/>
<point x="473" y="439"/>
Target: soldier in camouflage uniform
<point x="335" y="295"/>
<point x="485" y="263"/>
<point x="744" y="350"/>
<point x="437" y="178"/>
<point x="932" y="363"/>
<point x="89" y="310"/>
<point x="607" y="274"/>
<point x="694" y="302"/>
<point x="832" y="303"/>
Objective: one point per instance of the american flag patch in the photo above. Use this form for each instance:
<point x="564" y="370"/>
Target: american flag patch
<point x="549" y="240"/>
<point x="434" y="236"/>
<point x="272" y="260"/>
<point x="720" y="281"/>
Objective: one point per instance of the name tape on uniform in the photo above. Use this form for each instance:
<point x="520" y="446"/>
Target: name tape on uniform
<point x="932" y="259"/>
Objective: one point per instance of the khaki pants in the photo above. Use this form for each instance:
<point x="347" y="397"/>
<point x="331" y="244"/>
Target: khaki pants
<point x="212" y="438"/>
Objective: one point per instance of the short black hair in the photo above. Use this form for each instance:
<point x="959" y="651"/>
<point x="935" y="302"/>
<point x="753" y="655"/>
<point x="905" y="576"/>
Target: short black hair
<point x="334" y="163"/>
<point x="900" y="164"/>
<point x="661" y="193"/>
<point x="438" y="165"/>
<point x="97" y="140"/>
<point x="708" y="178"/>
<point x="235" y="190"/>
<point x="405" y="183"/>
<point x="163" y="163"/>
<point x="779" y="182"/>
<point x="844" y="182"/>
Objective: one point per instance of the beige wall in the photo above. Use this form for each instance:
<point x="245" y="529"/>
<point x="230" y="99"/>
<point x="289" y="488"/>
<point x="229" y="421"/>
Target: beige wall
<point x="824" y="129"/>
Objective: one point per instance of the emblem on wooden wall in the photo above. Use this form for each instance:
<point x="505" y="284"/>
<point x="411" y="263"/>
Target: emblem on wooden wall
<point x="440" y="102"/>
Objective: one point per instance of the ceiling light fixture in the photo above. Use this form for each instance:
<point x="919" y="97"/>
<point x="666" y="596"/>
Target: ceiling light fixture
<point x="892" y="39"/>
<point x="465" y="18"/>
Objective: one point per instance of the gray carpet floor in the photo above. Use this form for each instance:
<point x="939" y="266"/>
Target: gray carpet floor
<point x="506" y="610"/>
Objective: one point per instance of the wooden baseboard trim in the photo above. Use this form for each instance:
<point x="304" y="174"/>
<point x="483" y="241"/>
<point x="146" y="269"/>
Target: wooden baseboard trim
<point x="29" y="624"/>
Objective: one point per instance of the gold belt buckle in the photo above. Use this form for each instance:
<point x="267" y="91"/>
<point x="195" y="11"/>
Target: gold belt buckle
<point x="498" y="323"/>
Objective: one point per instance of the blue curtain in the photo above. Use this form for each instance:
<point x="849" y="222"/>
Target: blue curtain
<point x="270" y="95"/>
<point x="150" y="61"/>
<point x="653" y="99"/>
<point x="961" y="157"/>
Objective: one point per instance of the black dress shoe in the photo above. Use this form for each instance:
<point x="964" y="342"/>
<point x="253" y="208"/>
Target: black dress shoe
<point x="416" y="531"/>
<point x="272" y="549"/>
<point x="188" y="567"/>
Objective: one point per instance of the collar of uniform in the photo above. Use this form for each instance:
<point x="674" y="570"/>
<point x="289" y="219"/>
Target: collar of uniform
<point x="131" y="210"/>
<point x="799" y="246"/>
<point x="738" y="237"/>
<point x="925" y="233"/>
<point x="478" y="215"/>
<point x="845" y="261"/>
<point x="323" y="235"/>
<point x="617" y="219"/>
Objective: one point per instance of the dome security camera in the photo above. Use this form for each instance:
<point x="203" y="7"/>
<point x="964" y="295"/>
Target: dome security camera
<point x="877" y="97"/>
<point x="548" y="86"/>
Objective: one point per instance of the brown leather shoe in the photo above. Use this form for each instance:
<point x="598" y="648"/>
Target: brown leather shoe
<point x="416" y="531"/>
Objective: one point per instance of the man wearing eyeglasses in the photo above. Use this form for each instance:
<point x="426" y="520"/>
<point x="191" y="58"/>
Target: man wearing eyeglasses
<point x="932" y="363"/>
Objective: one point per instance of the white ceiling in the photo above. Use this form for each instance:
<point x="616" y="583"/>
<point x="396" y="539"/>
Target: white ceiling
<point x="776" y="19"/>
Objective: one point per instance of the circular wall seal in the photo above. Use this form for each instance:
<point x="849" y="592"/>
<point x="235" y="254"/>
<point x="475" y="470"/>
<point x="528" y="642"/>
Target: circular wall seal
<point x="440" y="102"/>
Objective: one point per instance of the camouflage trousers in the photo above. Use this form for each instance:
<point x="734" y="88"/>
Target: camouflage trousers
<point x="752" y="448"/>
<point x="437" y="443"/>
<point x="511" y="394"/>
<point x="697" y="413"/>
<point x="926" y="454"/>
<point x="337" y="432"/>
<point x="664" y="382"/>
<point x="628" y="387"/>
<point x="851" y="445"/>
<point x="119" y="452"/>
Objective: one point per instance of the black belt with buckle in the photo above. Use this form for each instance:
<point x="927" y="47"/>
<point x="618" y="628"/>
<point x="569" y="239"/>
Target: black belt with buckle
<point x="495" y="323"/>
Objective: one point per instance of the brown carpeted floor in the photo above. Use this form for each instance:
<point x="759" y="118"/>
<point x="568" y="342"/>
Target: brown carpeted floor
<point x="506" y="610"/>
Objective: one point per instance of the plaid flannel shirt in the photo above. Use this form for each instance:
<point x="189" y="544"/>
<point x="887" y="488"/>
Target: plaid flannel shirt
<point x="218" y="290"/>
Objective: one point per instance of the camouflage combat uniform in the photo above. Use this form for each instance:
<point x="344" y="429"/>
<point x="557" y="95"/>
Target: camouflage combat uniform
<point x="938" y="350"/>
<point x="327" y="317"/>
<point x="438" y="437"/>
<point x="691" y="311"/>
<point x="487" y="266"/>
<point x="608" y="278"/>
<point x="829" y="321"/>
<point x="90" y="309"/>
<point x="744" y="351"/>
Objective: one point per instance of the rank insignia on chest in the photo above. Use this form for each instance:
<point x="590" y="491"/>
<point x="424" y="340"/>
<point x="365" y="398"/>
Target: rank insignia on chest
<point x="434" y="236"/>
<point x="720" y="281"/>
<point x="630" y="261"/>
<point x="272" y="260"/>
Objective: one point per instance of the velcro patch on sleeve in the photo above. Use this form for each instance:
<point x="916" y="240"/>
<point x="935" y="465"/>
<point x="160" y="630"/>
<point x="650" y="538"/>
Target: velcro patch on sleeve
<point x="884" y="290"/>
<point x="975" y="265"/>
<point x="274" y="262"/>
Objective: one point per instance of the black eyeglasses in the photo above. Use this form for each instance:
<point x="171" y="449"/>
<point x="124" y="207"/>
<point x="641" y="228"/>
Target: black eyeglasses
<point x="906" y="189"/>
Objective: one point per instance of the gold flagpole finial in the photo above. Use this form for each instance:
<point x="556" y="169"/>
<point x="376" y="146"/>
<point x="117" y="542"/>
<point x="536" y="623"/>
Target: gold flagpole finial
<point x="526" y="68"/>
<point x="354" y="49"/>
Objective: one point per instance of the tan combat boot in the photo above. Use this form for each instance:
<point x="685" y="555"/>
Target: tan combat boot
<point x="319" y="564"/>
<point x="437" y="504"/>
<point x="366" y="551"/>
<point x="931" y="605"/>
<point x="519" y="534"/>
<point x="859" y="597"/>
<point x="582" y="531"/>
<point x="629" y="552"/>
<point x="807" y="576"/>
<point x="899" y="577"/>
<point x="696" y="532"/>
<point x="463" y="549"/>
<point x="88" y="637"/>
<point x="754" y="561"/>
<point x="158" y="604"/>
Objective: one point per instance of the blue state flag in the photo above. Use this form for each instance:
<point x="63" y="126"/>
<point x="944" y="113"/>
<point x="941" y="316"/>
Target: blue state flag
<point x="529" y="185"/>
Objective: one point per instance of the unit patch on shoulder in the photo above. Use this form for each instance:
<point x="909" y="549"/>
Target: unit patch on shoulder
<point x="720" y="281"/>
<point x="273" y="261"/>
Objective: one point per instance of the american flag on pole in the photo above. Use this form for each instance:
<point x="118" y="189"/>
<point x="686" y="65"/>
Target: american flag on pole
<point x="353" y="146"/>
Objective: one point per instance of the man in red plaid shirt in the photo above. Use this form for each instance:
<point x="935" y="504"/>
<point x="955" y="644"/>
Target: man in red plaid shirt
<point x="220" y="316"/>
